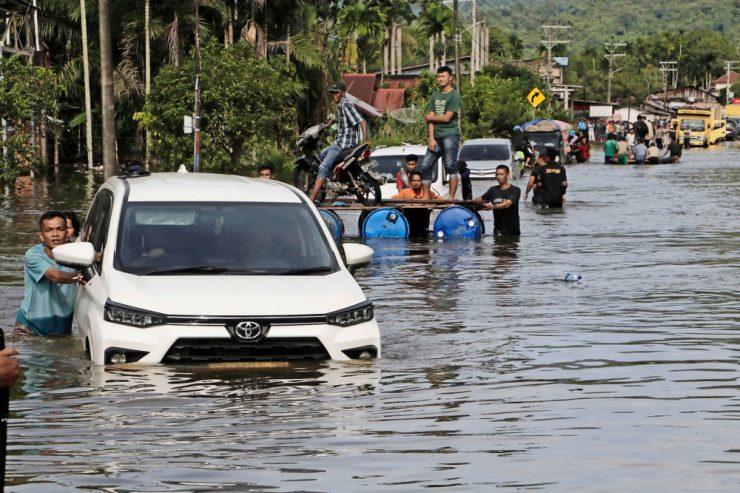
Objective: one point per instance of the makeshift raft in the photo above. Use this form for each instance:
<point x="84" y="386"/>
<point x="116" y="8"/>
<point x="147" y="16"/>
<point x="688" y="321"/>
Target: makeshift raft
<point x="455" y="219"/>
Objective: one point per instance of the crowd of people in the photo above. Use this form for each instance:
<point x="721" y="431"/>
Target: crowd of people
<point x="640" y="144"/>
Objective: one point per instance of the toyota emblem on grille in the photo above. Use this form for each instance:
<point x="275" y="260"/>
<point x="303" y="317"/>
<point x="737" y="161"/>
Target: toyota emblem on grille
<point x="249" y="331"/>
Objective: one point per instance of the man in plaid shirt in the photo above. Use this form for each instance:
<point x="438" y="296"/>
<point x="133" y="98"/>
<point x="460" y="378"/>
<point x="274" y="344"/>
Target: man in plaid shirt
<point x="348" y="119"/>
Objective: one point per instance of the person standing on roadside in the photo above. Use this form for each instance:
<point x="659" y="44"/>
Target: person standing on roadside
<point x="503" y="200"/>
<point x="348" y="121"/>
<point x="443" y="131"/>
<point x="49" y="288"/>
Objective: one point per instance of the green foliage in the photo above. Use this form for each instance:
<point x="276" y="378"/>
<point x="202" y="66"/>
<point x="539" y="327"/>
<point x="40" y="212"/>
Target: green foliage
<point x="389" y="131"/>
<point x="597" y="21"/>
<point x="27" y="96"/>
<point x="493" y="105"/>
<point x="246" y="101"/>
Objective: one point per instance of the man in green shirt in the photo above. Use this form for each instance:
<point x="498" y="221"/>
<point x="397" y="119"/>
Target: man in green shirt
<point x="444" y="133"/>
<point x="610" y="150"/>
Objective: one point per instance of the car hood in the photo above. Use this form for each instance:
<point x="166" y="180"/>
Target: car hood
<point x="228" y="295"/>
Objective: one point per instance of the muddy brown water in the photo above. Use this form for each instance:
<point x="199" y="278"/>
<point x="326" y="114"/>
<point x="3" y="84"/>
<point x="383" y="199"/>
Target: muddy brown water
<point x="496" y="374"/>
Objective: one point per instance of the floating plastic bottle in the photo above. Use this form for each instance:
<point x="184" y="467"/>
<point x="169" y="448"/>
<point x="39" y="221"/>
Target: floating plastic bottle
<point x="572" y="277"/>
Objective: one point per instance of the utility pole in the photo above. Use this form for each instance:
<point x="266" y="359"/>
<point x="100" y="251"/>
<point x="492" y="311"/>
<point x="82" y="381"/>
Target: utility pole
<point x="667" y="67"/>
<point x="611" y="48"/>
<point x="473" y="45"/>
<point x="728" y="64"/>
<point x="196" y="110"/>
<point x="456" y="27"/>
<point x="549" y="44"/>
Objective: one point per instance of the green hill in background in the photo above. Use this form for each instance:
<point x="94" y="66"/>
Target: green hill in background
<point x="597" y="21"/>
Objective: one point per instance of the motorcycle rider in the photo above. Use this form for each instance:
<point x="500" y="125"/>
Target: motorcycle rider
<point x="347" y="119"/>
<point x="520" y="142"/>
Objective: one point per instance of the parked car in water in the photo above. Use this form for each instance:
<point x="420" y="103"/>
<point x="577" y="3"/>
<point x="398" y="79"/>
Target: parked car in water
<point x="731" y="129"/>
<point x="481" y="156"/>
<point x="191" y="268"/>
<point x="390" y="160"/>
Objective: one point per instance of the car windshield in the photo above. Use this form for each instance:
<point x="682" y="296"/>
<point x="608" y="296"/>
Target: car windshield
<point x="157" y="238"/>
<point x="484" y="152"/>
<point x="388" y="166"/>
<point x="546" y="139"/>
<point x="692" y="124"/>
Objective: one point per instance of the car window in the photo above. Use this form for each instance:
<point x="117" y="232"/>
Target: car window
<point x="97" y="224"/>
<point x="484" y="152"/>
<point x="237" y="238"/>
<point x="388" y="166"/>
<point x="546" y="139"/>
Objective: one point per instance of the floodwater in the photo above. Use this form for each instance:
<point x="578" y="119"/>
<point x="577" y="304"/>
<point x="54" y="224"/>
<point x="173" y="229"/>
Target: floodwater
<point x="496" y="374"/>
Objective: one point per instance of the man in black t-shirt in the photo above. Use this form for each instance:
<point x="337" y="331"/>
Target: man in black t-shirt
<point x="553" y="179"/>
<point x="673" y="151"/>
<point x="504" y="201"/>
<point x="534" y="184"/>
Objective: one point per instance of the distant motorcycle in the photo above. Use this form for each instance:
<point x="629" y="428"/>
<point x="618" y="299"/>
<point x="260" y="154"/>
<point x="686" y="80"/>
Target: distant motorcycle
<point x="350" y="174"/>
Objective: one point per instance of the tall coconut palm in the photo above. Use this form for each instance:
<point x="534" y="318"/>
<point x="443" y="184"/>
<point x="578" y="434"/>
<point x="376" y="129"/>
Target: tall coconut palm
<point x="106" y="83"/>
<point x="396" y="12"/>
<point x="88" y="98"/>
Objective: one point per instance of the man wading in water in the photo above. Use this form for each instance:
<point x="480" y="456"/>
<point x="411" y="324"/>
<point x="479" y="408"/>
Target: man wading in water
<point x="503" y="200"/>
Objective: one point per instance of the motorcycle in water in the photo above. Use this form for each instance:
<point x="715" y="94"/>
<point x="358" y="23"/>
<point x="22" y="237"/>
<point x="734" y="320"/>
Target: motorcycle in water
<point x="350" y="175"/>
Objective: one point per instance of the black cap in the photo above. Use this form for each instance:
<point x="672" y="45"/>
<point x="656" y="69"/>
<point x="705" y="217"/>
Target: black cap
<point x="552" y="153"/>
<point x="338" y="87"/>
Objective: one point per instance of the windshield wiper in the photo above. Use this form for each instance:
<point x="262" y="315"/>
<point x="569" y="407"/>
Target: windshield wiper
<point x="304" y="270"/>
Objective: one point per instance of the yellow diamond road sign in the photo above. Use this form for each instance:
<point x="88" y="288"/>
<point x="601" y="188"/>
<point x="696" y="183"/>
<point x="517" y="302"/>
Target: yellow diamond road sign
<point x="535" y="97"/>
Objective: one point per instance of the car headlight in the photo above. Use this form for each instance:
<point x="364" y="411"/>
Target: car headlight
<point x="352" y="316"/>
<point x="127" y="315"/>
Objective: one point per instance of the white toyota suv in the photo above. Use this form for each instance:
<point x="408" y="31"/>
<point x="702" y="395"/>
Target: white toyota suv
<point x="187" y="268"/>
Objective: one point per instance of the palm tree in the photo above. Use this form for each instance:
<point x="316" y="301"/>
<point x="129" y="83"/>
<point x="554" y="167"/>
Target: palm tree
<point x="106" y="82"/>
<point x="88" y="98"/>
<point x="396" y="12"/>
<point x="434" y="22"/>
<point x="355" y="20"/>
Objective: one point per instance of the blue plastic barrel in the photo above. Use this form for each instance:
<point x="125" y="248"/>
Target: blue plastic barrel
<point x="333" y="222"/>
<point x="385" y="223"/>
<point x="457" y="222"/>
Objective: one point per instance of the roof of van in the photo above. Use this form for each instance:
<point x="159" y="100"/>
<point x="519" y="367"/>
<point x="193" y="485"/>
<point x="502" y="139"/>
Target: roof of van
<point x="205" y="187"/>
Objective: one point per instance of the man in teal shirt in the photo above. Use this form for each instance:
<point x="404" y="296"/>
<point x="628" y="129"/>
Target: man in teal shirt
<point x="49" y="288"/>
<point x="444" y="133"/>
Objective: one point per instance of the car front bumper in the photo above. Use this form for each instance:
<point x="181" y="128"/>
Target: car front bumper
<point x="188" y="344"/>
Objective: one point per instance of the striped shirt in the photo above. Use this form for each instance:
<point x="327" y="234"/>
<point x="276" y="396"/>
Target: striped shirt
<point x="348" y="119"/>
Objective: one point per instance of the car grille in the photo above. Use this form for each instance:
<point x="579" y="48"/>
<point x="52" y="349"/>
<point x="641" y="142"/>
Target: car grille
<point x="205" y="350"/>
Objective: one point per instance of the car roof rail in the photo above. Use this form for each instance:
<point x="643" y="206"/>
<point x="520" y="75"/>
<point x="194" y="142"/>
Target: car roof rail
<point x="135" y="171"/>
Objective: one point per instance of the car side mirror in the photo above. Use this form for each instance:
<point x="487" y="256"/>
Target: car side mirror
<point x="357" y="255"/>
<point x="77" y="255"/>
